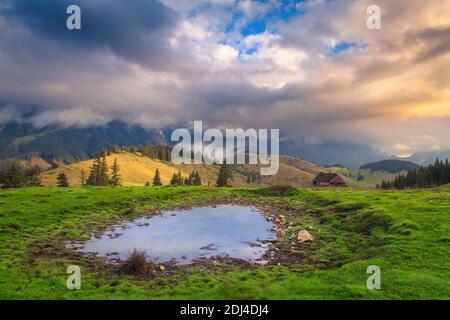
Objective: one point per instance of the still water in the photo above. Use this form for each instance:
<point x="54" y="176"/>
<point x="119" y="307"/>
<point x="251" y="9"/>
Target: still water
<point x="188" y="235"/>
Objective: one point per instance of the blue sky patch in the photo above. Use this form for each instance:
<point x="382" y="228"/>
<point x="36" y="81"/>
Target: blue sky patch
<point x="344" y="46"/>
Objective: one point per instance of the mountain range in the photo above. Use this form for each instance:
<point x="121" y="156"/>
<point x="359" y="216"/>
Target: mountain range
<point x="66" y="144"/>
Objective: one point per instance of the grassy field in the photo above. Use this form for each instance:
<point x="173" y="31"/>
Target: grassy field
<point x="405" y="233"/>
<point x="370" y="178"/>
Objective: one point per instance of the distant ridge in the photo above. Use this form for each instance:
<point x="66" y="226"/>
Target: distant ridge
<point x="66" y="144"/>
<point x="391" y="166"/>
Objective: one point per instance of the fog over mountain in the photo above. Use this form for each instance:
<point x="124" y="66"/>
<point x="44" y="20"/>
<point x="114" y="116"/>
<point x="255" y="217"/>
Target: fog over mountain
<point x="61" y="143"/>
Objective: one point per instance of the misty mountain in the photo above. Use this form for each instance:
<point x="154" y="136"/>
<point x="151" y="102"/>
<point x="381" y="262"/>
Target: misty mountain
<point x="22" y="139"/>
<point x="331" y="152"/>
<point x="391" y="166"/>
<point x="65" y="144"/>
<point x="426" y="158"/>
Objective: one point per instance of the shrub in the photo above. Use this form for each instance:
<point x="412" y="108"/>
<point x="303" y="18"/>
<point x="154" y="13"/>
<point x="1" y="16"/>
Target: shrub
<point x="136" y="264"/>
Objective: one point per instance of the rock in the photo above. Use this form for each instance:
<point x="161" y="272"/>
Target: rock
<point x="304" y="236"/>
<point x="280" y="219"/>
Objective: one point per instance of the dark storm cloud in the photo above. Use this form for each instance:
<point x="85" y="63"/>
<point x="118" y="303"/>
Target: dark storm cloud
<point x="240" y="93"/>
<point x="172" y="61"/>
<point x="134" y="30"/>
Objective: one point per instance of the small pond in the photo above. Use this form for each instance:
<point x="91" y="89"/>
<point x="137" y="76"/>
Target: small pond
<point x="188" y="235"/>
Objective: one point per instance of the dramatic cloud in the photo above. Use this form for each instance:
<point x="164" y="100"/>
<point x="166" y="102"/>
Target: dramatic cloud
<point x="311" y="68"/>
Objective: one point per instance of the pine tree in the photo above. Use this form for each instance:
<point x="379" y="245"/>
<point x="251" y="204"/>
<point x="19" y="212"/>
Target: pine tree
<point x="104" y="177"/>
<point x="33" y="179"/>
<point x="189" y="181"/>
<point x="104" y="153"/>
<point x="174" y="180"/>
<point x="82" y="178"/>
<point x="99" y="172"/>
<point x="63" y="182"/>
<point x="197" y="180"/>
<point x="433" y="175"/>
<point x="115" y="149"/>
<point x="94" y="175"/>
<point x="224" y="178"/>
<point x="157" y="179"/>
<point x="15" y="177"/>
<point x="115" y="176"/>
<point x="54" y="164"/>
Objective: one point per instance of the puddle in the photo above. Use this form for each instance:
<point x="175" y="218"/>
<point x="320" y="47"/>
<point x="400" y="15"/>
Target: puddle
<point x="184" y="236"/>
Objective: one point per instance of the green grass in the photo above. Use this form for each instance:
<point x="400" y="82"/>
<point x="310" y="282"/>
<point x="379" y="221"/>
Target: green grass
<point x="370" y="178"/>
<point x="406" y="233"/>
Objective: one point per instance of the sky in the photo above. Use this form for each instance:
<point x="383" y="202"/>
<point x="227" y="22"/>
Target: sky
<point x="311" y="68"/>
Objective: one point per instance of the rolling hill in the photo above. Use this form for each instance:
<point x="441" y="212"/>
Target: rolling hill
<point x="391" y="166"/>
<point x="136" y="170"/>
<point x="364" y="178"/>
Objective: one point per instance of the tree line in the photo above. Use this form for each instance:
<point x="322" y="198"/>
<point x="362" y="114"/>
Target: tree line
<point x="160" y="152"/>
<point x="434" y="175"/>
<point x="224" y="178"/>
<point x="98" y="175"/>
<point x="14" y="175"/>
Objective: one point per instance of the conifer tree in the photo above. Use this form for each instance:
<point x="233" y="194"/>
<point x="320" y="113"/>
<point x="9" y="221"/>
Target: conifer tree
<point x="157" y="179"/>
<point x="15" y="177"/>
<point x="104" y="177"/>
<point x="430" y="176"/>
<point x="225" y="176"/>
<point x="197" y="180"/>
<point x="189" y="181"/>
<point x="174" y="180"/>
<point x="116" y="149"/>
<point x="63" y="182"/>
<point x="82" y="178"/>
<point x="33" y="179"/>
<point x="99" y="172"/>
<point x="115" y="175"/>
<point x="94" y="179"/>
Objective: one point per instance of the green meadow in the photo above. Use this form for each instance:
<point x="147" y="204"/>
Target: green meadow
<point x="405" y="233"/>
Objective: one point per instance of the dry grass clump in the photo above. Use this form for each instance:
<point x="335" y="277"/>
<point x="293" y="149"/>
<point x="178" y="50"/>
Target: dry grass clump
<point x="136" y="264"/>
